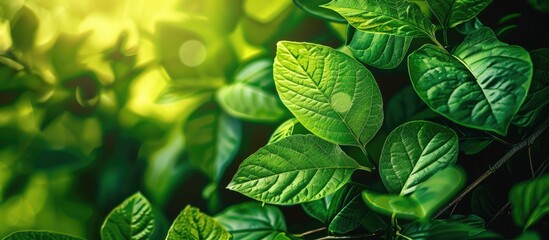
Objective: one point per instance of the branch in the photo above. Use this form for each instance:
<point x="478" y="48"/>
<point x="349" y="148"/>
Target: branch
<point x="538" y="173"/>
<point x="310" y="232"/>
<point x="359" y="236"/>
<point x="516" y="147"/>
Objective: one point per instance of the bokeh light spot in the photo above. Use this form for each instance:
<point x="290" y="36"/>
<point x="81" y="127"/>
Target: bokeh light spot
<point x="192" y="53"/>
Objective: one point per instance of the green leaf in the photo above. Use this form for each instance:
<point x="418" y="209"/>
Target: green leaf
<point x="413" y="152"/>
<point x="469" y="26"/>
<point x="39" y="235"/>
<point x="319" y="209"/>
<point x="314" y="8"/>
<point x="540" y="5"/>
<point x="393" y="17"/>
<point x="529" y="236"/>
<point x="426" y="198"/>
<point x="467" y="227"/>
<point x="535" y="104"/>
<point x="179" y="91"/>
<point x="406" y="106"/>
<point x="403" y="206"/>
<point x="257" y="73"/>
<point x="347" y="210"/>
<point x="473" y="146"/>
<point x="250" y="103"/>
<point x="282" y="236"/>
<point x="133" y="219"/>
<point x="378" y="50"/>
<point x="194" y="225"/>
<point x="250" y="221"/>
<point x="212" y="138"/>
<point x="450" y="13"/>
<point x="530" y="201"/>
<point x="285" y="129"/>
<point x="330" y="93"/>
<point x="481" y="85"/>
<point x="296" y="169"/>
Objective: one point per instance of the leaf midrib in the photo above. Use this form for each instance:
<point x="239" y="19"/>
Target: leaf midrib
<point x="324" y="95"/>
<point x="478" y="85"/>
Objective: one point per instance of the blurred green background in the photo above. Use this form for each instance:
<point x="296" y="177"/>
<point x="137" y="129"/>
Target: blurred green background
<point x="100" y="99"/>
<point x="95" y="97"/>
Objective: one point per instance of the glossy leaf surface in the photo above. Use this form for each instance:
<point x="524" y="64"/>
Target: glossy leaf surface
<point x="535" y="104"/>
<point x="251" y="221"/>
<point x="347" y="209"/>
<point x="453" y="12"/>
<point x="378" y="50"/>
<point x="426" y="198"/>
<point x="296" y="169"/>
<point x="194" y="225"/>
<point x="413" y="152"/>
<point x="481" y="85"/>
<point x="330" y="93"/>
<point x="393" y="17"/>
<point x="133" y="219"/>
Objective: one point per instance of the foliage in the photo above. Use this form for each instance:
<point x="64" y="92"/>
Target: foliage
<point x="162" y="119"/>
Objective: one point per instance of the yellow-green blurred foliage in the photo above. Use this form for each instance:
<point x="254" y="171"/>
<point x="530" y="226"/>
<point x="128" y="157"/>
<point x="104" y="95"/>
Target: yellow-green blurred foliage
<point x="84" y="82"/>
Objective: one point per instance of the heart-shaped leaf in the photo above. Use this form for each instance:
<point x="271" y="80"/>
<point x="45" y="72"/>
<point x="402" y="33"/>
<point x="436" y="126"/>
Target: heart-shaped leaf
<point x="393" y="17"/>
<point x="193" y="224"/>
<point x="39" y="235"/>
<point x="133" y="219"/>
<point x="212" y="139"/>
<point x="330" y="93"/>
<point x="378" y="50"/>
<point x="535" y="104"/>
<point x="426" y="198"/>
<point x="530" y="201"/>
<point x="413" y="152"/>
<point x="481" y="85"/>
<point x="450" y="13"/>
<point x="296" y="169"/>
<point x="250" y="221"/>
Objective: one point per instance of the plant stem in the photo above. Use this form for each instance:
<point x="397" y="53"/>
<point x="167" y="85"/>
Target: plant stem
<point x="310" y="232"/>
<point x="516" y="147"/>
<point x="359" y="236"/>
<point x="496" y="138"/>
<point x="445" y="37"/>
<point x="538" y="172"/>
<point x="368" y="159"/>
<point x="434" y="39"/>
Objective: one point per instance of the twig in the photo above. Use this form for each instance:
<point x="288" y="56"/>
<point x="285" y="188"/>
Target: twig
<point x="538" y="172"/>
<point x="498" y="213"/>
<point x="310" y="232"/>
<point x="516" y="147"/>
<point x="530" y="160"/>
<point x="359" y="236"/>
